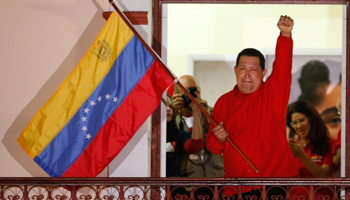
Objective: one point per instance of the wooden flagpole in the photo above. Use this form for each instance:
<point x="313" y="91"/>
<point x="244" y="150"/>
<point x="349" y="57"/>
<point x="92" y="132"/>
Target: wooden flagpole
<point x="159" y="60"/>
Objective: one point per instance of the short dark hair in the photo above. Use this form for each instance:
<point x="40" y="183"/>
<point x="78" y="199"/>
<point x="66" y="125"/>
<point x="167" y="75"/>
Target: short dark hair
<point x="314" y="71"/>
<point x="252" y="53"/>
<point x="314" y="75"/>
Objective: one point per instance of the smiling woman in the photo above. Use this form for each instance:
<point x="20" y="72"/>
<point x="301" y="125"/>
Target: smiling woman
<point x="312" y="148"/>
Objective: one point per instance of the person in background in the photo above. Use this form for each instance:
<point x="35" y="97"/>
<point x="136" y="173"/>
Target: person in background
<point x="313" y="82"/>
<point x="332" y="120"/>
<point x="180" y="143"/>
<point x="204" y="163"/>
<point x="313" y="149"/>
<point x="337" y="151"/>
<point x="332" y="97"/>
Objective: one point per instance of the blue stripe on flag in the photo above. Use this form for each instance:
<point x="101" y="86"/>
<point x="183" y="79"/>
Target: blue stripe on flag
<point x="66" y="147"/>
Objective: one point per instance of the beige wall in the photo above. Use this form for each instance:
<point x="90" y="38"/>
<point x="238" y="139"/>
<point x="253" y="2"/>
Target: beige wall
<point x="41" y="43"/>
<point x="226" y="29"/>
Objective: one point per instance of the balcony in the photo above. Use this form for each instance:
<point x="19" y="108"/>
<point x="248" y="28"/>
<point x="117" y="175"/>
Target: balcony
<point x="165" y="188"/>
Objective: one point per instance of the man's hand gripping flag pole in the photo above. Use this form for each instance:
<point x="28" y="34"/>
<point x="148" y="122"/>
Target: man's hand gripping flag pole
<point x="121" y="14"/>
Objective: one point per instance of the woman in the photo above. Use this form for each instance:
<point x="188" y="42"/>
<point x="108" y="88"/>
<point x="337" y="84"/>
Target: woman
<point x="181" y="142"/>
<point x="313" y="149"/>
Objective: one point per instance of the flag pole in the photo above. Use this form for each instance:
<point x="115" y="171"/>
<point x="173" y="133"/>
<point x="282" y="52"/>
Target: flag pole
<point x="159" y="60"/>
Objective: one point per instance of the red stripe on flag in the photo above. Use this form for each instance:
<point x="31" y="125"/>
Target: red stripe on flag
<point x="123" y="124"/>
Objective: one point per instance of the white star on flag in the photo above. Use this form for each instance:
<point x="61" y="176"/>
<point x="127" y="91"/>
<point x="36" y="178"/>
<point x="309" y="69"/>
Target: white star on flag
<point x="115" y="99"/>
<point x="88" y="136"/>
<point x="99" y="99"/>
<point x="107" y="96"/>
<point x="86" y="110"/>
<point x="84" y="118"/>
<point x="92" y="103"/>
<point x="84" y="128"/>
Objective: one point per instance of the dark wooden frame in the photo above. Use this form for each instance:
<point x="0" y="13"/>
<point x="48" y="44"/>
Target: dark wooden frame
<point x="157" y="44"/>
<point x="135" y="17"/>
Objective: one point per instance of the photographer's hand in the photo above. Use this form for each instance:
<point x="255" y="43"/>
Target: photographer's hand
<point x="178" y="103"/>
<point x="197" y="129"/>
<point x="193" y="106"/>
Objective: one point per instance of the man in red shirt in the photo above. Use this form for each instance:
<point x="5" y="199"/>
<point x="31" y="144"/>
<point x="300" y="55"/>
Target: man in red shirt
<point x="253" y="114"/>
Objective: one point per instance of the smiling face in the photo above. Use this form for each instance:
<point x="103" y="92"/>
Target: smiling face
<point x="301" y="125"/>
<point x="249" y="74"/>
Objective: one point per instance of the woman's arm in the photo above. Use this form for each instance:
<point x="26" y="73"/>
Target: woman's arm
<point x="325" y="170"/>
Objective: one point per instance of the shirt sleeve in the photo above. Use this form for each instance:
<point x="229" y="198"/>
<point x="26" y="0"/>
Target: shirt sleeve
<point x="334" y="146"/>
<point x="281" y="76"/>
<point x="328" y="158"/>
<point x="193" y="146"/>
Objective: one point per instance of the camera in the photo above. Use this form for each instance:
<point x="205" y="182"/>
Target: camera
<point x="187" y="99"/>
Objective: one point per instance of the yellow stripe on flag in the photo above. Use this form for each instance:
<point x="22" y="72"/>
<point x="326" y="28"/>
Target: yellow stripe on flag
<point x="77" y="87"/>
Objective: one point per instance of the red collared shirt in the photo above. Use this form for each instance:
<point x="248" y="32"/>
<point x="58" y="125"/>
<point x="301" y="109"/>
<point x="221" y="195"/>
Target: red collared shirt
<point x="256" y="123"/>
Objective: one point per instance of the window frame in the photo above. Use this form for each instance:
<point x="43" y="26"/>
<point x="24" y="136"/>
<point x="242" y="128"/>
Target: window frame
<point x="157" y="45"/>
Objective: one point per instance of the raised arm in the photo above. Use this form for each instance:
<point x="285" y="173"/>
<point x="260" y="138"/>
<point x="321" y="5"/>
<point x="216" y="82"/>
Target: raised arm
<point x="285" y="24"/>
<point x="281" y="75"/>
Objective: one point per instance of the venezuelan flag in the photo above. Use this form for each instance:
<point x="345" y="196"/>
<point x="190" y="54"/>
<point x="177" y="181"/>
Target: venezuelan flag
<point x="99" y="106"/>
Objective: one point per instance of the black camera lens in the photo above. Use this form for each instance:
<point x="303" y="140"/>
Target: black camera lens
<point x="187" y="99"/>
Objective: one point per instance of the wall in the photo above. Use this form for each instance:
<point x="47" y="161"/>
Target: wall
<point x="41" y="43"/>
<point x="225" y="29"/>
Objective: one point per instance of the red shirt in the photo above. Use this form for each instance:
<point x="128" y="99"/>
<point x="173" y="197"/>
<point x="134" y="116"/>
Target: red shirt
<point x="320" y="160"/>
<point x="319" y="192"/>
<point x="256" y="123"/>
<point x="339" y="137"/>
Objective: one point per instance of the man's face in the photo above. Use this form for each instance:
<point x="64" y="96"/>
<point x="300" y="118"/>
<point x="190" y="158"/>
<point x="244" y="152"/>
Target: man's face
<point x="249" y="74"/>
<point x="333" y="123"/>
<point x="188" y="83"/>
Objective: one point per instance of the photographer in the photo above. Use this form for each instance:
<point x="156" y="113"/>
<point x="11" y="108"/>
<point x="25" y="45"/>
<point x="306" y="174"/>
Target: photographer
<point x="202" y="164"/>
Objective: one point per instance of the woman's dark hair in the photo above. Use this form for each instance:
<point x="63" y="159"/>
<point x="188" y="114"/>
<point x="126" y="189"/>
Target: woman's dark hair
<point x="318" y="133"/>
<point x="252" y="53"/>
<point x="172" y="131"/>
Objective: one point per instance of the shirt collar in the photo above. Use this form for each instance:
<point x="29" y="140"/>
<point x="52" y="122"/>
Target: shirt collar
<point x="235" y="93"/>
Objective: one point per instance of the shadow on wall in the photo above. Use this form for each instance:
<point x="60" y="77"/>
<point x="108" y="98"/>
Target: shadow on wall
<point x="52" y="84"/>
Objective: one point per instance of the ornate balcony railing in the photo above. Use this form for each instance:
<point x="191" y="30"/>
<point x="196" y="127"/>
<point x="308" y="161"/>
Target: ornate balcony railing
<point x="172" y="188"/>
